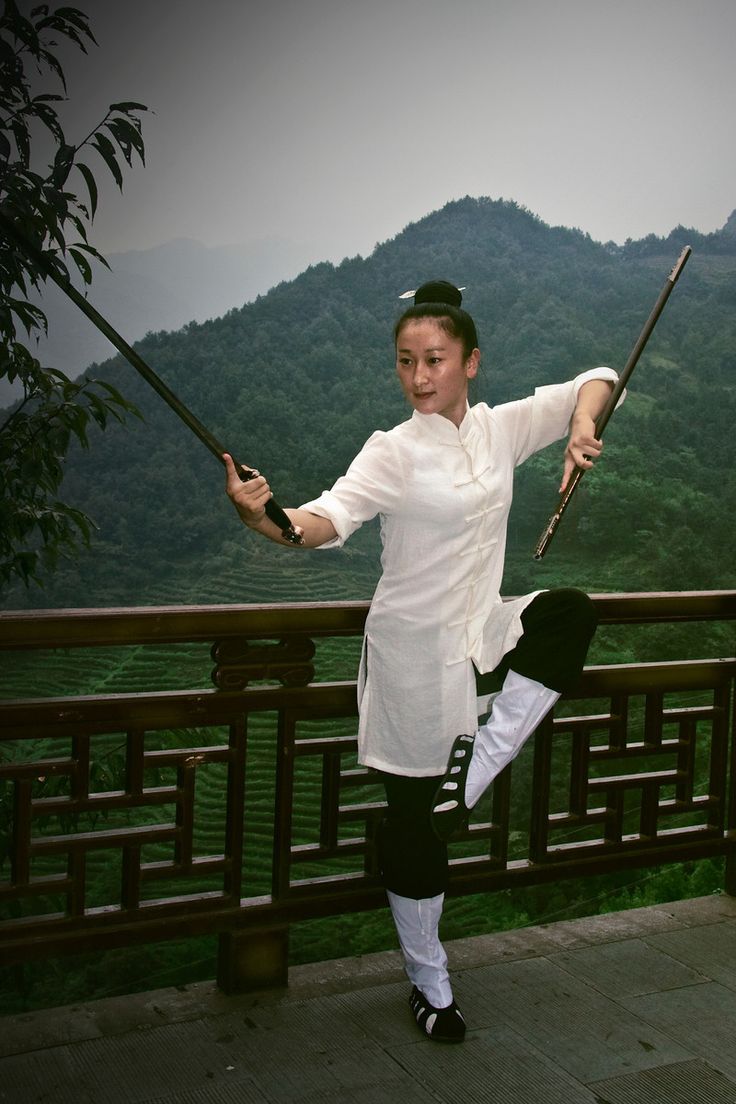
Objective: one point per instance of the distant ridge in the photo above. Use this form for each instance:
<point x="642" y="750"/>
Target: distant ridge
<point x="296" y="381"/>
<point x="162" y="288"/>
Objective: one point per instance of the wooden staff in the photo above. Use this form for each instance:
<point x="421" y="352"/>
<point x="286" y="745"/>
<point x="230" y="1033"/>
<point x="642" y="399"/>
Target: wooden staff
<point x="274" y="511"/>
<point x="602" y="421"/>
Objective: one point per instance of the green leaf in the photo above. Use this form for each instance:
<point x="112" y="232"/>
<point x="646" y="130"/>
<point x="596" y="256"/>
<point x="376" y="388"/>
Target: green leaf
<point x="119" y="131"/>
<point x="82" y="264"/>
<point x="105" y="148"/>
<point x="23" y="30"/>
<point x="63" y="163"/>
<point x="91" y="186"/>
<point x="50" y="119"/>
<point x="79" y="19"/>
<point x="125" y="129"/>
<point x="48" y="58"/>
<point x="52" y="22"/>
<point x="31" y="316"/>
<point x="128" y="106"/>
<point x="116" y="398"/>
<point x="22" y="140"/>
<point x="55" y="412"/>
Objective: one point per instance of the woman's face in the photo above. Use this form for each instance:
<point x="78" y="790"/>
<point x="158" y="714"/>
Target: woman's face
<point x="433" y="369"/>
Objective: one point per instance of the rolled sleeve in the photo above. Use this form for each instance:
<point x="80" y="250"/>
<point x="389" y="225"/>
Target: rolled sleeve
<point x="544" y="417"/>
<point x="329" y="506"/>
<point x="597" y="373"/>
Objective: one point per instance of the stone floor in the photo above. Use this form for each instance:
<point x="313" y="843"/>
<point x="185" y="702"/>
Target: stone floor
<point x="629" y="1008"/>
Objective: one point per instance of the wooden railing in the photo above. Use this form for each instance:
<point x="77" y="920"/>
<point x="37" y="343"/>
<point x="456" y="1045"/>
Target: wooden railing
<point x="636" y="768"/>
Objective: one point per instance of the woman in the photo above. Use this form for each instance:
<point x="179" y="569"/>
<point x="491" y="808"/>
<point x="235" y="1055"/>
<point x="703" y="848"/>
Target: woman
<point x="442" y="484"/>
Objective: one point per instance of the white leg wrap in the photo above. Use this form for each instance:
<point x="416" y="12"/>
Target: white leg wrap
<point x="425" y="961"/>
<point x="516" y="712"/>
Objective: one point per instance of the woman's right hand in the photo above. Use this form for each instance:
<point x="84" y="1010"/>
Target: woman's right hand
<point x="248" y="498"/>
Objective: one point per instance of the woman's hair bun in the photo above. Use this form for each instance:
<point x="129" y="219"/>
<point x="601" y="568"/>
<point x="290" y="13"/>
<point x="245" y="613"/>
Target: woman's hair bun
<point x="438" y="291"/>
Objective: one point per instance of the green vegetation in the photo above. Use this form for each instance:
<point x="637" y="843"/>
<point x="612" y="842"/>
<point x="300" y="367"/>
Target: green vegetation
<point x="137" y="669"/>
<point x="44" y="234"/>
<point x="294" y="383"/>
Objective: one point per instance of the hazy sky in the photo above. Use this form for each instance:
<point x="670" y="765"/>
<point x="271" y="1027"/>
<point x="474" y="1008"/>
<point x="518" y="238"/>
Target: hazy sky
<point x="337" y="122"/>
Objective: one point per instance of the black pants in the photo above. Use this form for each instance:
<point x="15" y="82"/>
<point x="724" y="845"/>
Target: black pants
<point x="558" y="627"/>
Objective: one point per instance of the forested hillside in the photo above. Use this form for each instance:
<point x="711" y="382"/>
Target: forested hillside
<point x="294" y="383"/>
<point x="159" y="288"/>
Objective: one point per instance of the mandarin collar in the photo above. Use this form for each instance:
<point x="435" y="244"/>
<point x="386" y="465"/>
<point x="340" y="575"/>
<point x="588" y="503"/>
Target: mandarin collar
<point x="443" y="431"/>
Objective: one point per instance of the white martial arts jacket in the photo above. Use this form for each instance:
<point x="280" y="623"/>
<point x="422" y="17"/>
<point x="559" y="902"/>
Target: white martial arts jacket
<point x="443" y="495"/>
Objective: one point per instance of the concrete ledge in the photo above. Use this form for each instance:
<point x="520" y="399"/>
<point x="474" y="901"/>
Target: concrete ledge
<point x="52" y="1027"/>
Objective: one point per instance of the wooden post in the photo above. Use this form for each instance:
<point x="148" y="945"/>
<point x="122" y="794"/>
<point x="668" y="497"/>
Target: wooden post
<point x="730" y="864"/>
<point x="730" y="874"/>
<point x="249" y="960"/>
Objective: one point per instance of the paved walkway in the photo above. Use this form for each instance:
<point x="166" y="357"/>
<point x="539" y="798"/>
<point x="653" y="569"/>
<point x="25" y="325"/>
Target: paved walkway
<point x="629" y="1008"/>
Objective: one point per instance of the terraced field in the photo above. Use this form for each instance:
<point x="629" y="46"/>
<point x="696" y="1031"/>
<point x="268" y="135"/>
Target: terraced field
<point x="157" y="667"/>
<point x="135" y="669"/>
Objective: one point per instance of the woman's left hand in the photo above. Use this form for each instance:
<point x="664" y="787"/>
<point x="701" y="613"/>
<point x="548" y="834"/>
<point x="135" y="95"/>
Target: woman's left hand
<point x="583" y="447"/>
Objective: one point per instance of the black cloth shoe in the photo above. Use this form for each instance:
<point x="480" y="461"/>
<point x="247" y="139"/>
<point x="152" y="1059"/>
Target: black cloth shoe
<point x="449" y="811"/>
<point x="443" y="1025"/>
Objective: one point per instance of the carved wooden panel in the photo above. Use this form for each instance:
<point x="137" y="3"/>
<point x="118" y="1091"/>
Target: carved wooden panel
<point x="328" y="807"/>
<point x="639" y="772"/>
<point x="631" y="772"/>
<point x="648" y="772"/>
<point x="241" y="661"/>
<point x="124" y="802"/>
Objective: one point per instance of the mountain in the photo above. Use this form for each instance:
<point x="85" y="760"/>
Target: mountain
<point x="294" y="382"/>
<point x="729" y="230"/>
<point x="162" y="288"/>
